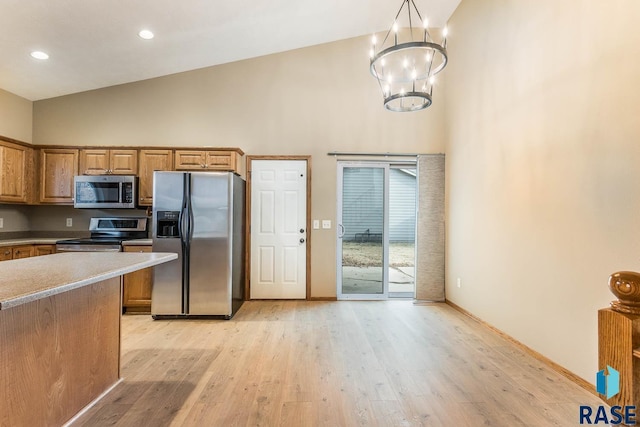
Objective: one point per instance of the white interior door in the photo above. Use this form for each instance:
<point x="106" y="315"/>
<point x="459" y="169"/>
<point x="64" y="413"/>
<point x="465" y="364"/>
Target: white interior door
<point x="278" y="229"/>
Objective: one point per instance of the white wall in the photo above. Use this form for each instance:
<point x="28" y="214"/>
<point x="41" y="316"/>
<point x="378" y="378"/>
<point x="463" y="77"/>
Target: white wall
<point x="543" y="176"/>
<point x="308" y="101"/>
<point x="16" y="116"/>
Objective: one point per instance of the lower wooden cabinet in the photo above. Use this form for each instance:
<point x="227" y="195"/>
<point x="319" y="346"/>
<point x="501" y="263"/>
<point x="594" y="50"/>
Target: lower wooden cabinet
<point x="136" y="286"/>
<point x="25" y="251"/>
<point x="6" y="253"/>
<point x="44" y="250"/>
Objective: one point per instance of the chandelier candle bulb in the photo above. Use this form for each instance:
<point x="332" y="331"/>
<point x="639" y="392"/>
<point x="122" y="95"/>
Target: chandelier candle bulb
<point x="425" y="25"/>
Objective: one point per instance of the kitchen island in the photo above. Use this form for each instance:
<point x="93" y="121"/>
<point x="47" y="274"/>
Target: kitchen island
<point x="60" y="332"/>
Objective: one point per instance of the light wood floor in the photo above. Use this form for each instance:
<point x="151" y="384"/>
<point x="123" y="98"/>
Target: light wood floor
<point x="297" y="363"/>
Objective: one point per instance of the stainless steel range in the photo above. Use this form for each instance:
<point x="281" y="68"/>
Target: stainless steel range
<point x="107" y="235"/>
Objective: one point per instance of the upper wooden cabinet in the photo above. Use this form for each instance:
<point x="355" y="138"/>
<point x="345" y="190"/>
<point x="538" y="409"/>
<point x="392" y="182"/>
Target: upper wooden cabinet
<point x="206" y="160"/>
<point x="16" y="172"/>
<point x="150" y="161"/>
<point x="45" y="175"/>
<point x="107" y="162"/>
<point x="58" y="166"/>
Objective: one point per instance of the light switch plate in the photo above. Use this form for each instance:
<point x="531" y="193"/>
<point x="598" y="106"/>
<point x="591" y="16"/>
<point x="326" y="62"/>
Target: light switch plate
<point x="316" y="224"/>
<point x="326" y="224"/>
<point x="1" y="222"/>
<point x="69" y="222"/>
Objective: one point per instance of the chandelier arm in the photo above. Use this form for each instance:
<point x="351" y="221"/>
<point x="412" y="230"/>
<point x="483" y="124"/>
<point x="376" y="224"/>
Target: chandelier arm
<point x="426" y="31"/>
<point x="433" y="55"/>
<point x="380" y="84"/>
<point x="416" y="8"/>
<point x="396" y="18"/>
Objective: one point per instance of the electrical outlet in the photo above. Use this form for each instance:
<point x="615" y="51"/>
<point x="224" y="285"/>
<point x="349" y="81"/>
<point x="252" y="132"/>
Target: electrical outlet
<point x="326" y="224"/>
<point x="1" y="222"/>
<point x="459" y="282"/>
<point x="69" y="222"/>
<point x="316" y="224"/>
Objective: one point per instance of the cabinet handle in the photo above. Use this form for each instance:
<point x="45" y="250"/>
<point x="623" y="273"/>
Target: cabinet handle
<point x="7" y="252"/>
<point x="203" y="165"/>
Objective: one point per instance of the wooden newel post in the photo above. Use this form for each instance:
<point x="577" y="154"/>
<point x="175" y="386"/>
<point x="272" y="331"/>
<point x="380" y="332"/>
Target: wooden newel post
<point x="619" y="337"/>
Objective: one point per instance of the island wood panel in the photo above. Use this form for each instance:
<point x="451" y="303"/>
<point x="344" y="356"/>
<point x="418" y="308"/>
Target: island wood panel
<point x="58" y="354"/>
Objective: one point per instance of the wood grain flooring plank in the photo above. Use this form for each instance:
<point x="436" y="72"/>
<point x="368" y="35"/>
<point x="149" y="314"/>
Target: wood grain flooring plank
<point x="320" y="363"/>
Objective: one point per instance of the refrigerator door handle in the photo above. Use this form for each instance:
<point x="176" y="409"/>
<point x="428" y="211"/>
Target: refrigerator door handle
<point x="184" y="239"/>
<point x="190" y="220"/>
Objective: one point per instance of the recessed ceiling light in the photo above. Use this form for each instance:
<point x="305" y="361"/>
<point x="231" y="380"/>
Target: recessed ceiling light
<point x="39" y="55"/>
<point x="146" y="34"/>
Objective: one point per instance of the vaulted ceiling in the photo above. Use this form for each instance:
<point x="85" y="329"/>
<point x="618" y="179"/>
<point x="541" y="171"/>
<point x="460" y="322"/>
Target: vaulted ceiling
<point x="94" y="43"/>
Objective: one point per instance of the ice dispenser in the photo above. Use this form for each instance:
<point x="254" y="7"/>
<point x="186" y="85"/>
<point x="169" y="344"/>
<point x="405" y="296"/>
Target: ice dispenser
<point x="167" y="225"/>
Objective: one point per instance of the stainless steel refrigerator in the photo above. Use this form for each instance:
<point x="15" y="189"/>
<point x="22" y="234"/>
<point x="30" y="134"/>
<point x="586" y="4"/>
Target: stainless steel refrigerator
<point x="200" y="216"/>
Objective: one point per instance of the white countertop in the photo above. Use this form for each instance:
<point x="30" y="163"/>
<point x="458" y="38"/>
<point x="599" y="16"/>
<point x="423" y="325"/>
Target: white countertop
<point x="31" y="241"/>
<point x="29" y="279"/>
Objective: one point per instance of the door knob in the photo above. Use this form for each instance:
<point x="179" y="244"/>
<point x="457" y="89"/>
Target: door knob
<point x="302" y="240"/>
<point x="302" y="230"/>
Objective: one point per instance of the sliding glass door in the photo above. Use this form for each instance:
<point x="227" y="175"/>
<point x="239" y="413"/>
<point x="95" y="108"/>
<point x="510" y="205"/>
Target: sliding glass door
<point x="376" y="206"/>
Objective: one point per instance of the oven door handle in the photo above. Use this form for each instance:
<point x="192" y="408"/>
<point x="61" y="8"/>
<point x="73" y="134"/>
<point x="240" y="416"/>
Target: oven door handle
<point x="87" y="249"/>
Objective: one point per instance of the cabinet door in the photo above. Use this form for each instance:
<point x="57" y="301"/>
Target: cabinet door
<point x="136" y="295"/>
<point x="25" y="251"/>
<point x="94" y="162"/>
<point x="14" y="166"/>
<point x="123" y="162"/>
<point x="57" y="169"/>
<point x="150" y="161"/>
<point x="190" y="160"/>
<point x="39" y="250"/>
<point x="6" y="253"/>
<point x="221" y="160"/>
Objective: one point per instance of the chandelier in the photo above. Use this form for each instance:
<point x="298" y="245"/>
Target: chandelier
<point x="407" y="60"/>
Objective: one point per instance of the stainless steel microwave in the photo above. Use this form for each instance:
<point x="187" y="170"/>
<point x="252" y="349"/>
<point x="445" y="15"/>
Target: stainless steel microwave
<point x="105" y="191"/>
